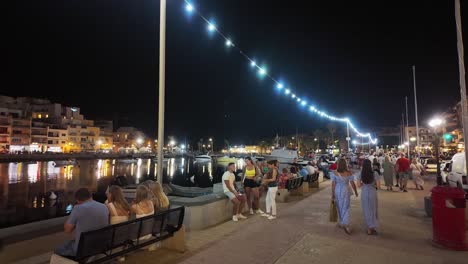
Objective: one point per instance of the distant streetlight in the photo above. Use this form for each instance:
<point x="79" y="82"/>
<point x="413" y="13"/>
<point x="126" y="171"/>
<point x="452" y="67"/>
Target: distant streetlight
<point x="182" y="146"/>
<point x="139" y="141"/>
<point x="436" y="123"/>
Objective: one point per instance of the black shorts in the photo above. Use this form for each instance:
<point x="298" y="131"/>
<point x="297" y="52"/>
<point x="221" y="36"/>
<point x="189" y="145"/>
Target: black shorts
<point x="250" y="183"/>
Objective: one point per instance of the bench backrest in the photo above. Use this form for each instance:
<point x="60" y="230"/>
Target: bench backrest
<point x="294" y="183"/>
<point x="160" y="226"/>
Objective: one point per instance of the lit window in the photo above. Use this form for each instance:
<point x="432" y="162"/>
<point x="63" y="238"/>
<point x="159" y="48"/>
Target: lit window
<point x="39" y="116"/>
<point x="46" y="116"/>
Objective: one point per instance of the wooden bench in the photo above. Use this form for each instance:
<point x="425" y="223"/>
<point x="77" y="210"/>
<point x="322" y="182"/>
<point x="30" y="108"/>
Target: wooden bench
<point x="314" y="180"/>
<point x="112" y="241"/>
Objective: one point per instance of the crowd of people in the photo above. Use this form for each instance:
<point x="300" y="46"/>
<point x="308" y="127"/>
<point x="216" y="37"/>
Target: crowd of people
<point x="88" y="214"/>
<point x="372" y="169"/>
<point x="258" y="178"/>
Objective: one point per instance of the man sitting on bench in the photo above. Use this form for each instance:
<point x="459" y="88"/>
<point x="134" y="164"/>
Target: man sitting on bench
<point x="86" y="215"/>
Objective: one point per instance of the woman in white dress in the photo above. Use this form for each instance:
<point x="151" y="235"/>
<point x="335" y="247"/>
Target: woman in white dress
<point x="142" y="205"/>
<point x="417" y="170"/>
<point x="119" y="209"/>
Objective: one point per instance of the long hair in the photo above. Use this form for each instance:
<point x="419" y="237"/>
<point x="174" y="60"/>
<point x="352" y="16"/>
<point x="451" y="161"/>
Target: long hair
<point x="162" y="200"/>
<point x="387" y="158"/>
<point x="367" y="174"/>
<point x="342" y="165"/>
<point x="117" y="198"/>
<point x="142" y="194"/>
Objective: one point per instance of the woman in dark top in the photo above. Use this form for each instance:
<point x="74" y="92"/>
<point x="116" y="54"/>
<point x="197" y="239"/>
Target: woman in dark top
<point x="271" y="181"/>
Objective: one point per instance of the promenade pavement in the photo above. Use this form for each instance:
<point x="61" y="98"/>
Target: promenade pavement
<point x="302" y="234"/>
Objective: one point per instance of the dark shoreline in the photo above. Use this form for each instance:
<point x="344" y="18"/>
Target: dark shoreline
<point x="5" y="158"/>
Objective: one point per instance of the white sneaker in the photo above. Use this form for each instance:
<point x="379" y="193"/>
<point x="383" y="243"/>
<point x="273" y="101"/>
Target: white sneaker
<point x="234" y="218"/>
<point x="271" y="217"/>
<point x="251" y="211"/>
<point x="241" y="216"/>
<point x="265" y="215"/>
<point x="259" y="211"/>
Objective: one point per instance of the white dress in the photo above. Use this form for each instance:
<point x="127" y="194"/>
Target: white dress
<point x="115" y="218"/>
<point x="143" y="215"/>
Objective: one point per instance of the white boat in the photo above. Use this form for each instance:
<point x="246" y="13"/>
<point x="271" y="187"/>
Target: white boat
<point x="226" y="159"/>
<point x="203" y="158"/>
<point x="284" y="156"/>
<point x="60" y="163"/>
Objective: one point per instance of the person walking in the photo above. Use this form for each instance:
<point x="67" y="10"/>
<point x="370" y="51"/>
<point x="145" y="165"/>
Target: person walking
<point x="369" y="197"/>
<point x="341" y="179"/>
<point x="271" y="180"/>
<point x="417" y="171"/>
<point x="388" y="173"/>
<point x="377" y="173"/>
<point x="229" y="188"/>
<point x="251" y="174"/>
<point x="402" y="167"/>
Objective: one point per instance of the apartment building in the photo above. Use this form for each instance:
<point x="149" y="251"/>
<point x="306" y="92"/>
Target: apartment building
<point x="32" y="124"/>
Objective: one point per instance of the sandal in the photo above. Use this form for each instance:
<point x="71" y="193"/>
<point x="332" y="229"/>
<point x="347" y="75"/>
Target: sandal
<point x="347" y="230"/>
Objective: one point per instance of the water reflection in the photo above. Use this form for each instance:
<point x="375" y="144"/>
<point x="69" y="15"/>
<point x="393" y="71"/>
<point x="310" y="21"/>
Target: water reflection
<point x="26" y="188"/>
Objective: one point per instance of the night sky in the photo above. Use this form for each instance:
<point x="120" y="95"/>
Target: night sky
<point x="351" y="59"/>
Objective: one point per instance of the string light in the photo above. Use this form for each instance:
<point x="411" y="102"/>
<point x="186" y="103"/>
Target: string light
<point x="211" y="27"/>
<point x="189" y="7"/>
<point x="262" y="72"/>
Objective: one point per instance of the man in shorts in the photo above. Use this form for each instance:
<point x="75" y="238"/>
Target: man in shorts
<point x="403" y="166"/>
<point x="230" y="190"/>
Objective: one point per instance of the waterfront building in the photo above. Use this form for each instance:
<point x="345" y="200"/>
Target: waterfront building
<point x="129" y="139"/>
<point x="32" y="124"/>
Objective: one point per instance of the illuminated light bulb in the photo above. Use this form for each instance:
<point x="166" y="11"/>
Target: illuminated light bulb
<point x="299" y="100"/>
<point x="312" y="108"/>
<point x="287" y="91"/>
<point x="303" y="103"/>
<point x="293" y="95"/>
<point x="253" y="63"/>
<point x="211" y="27"/>
<point x="262" y="71"/>
<point x="189" y="7"/>
<point x="229" y="43"/>
<point x="279" y="86"/>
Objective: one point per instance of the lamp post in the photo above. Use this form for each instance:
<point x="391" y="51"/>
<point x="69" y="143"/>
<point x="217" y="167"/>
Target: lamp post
<point x="436" y="123"/>
<point x="162" y="88"/>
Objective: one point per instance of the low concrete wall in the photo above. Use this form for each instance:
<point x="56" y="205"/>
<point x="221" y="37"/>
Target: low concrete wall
<point x="28" y="231"/>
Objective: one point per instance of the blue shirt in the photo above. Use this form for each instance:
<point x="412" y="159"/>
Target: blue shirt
<point x="304" y="172"/>
<point x="88" y="216"/>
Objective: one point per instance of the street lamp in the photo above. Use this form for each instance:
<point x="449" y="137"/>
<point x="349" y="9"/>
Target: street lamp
<point x="436" y="123"/>
<point x="212" y="144"/>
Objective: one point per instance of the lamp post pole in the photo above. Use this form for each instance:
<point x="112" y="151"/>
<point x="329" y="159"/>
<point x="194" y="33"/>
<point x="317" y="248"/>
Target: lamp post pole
<point x="461" y="67"/>
<point x="162" y="75"/>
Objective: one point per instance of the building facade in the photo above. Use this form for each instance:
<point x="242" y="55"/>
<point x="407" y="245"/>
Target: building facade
<point x="38" y="125"/>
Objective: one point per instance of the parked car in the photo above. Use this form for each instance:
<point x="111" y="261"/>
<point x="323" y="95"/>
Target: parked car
<point x="455" y="172"/>
<point x="430" y="165"/>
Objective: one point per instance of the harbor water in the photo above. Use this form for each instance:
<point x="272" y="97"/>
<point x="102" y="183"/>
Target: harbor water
<point x="34" y="191"/>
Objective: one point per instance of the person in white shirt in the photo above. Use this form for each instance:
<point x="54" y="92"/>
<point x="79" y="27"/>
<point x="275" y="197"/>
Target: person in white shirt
<point x="229" y="188"/>
<point x="310" y="168"/>
<point x="371" y="157"/>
